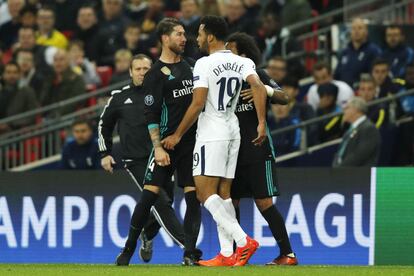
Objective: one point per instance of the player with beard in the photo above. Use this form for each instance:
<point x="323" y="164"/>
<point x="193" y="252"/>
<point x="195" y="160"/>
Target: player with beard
<point x="168" y="87"/>
<point x="256" y="166"/>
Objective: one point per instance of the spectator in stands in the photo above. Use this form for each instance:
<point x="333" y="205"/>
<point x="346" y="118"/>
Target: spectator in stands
<point x="190" y="17"/>
<point x="81" y="151"/>
<point x="407" y="102"/>
<point x="272" y="43"/>
<point x="368" y="90"/>
<point x="154" y="14"/>
<point x="276" y="68"/>
<point x="132" y="40"/>
<point x="237" y="20"/>
<point x="123" y="59"/>
<point x="136" y="10"/>
<point x="10" y="9"/>
<point x="81" y="65"/>
<point x="253" y="8"/>
<point x="322" y="74"/>
<point x="357" y="58"/>
<point x="63" y="84"/>
<point x="213" y="7"/>
<point x="361" y="143"/>
<point x="10" y="28"/>
<point x="111" y="29"/>
<point x="396" y="52"/>
<point x="30" y="76"/>
<point x="28" y="16"/>
<point x="87" y="31"/>
<point x="66" y="11"/>
<point x="47" y="35"/>
<point x="15" y="100"/>
<point x="281" y="117"/>
<point x="330" y="128"/>
<point x="381" y="75"/>
<point x="303" y="111"/>
<point x="27" y="41"/>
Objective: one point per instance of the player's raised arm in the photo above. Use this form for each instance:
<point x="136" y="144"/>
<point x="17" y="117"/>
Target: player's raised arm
<point x="152" y="110"/>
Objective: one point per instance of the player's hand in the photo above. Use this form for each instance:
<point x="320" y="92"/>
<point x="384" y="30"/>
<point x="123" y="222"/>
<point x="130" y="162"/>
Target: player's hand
<point x="261" y="134"/>
<point x="162" y="158"/>
<point x="247" y="95"/>
<point x="107" y="163"/>
<point x="170" y="142"/>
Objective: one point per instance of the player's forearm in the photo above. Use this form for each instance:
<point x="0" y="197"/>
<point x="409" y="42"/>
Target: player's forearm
<point x="259" y="99"/>
<point x="189" y="119"/>
<point x="154" y="132"/>
<point x="280" y="97"/>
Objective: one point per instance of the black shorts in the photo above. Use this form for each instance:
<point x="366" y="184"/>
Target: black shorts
<point x="181" y="164"/>
<point x="257" y="180"/>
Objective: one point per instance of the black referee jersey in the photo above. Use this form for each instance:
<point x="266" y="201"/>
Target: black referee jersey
<point x="125" y="107"/>
<point x="169" y="92"/>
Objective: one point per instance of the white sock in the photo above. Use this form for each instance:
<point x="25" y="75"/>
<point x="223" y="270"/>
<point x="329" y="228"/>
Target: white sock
<point x="226" y="241"/>
<point x="216" y="206"/>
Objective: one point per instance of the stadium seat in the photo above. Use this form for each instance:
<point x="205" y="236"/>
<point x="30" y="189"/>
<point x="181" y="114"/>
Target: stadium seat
<point x="105" y="73"/>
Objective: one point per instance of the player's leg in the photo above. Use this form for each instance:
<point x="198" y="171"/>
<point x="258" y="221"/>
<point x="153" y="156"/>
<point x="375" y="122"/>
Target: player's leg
<point x="192" y="217"/>
<point x="264" y="187"/>
<point x="155" y="175"/>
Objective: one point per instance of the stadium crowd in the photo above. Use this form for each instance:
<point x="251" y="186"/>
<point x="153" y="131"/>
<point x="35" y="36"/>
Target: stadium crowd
<point x="54" y="50"/>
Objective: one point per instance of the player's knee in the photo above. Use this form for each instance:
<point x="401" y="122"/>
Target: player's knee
<point x="263" y="203"/>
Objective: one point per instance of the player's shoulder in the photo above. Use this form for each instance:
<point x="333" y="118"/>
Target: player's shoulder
<point x="190" y="61"/>
<point x="203" y="61"/>
<point x="118" y="92"/>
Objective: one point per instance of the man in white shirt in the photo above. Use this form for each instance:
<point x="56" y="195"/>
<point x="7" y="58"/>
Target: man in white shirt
<point x="217" y="84"/>
<point x="322" y="74"/>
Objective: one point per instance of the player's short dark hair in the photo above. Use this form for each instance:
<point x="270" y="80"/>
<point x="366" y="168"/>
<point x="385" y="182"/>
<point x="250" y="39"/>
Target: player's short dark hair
<point x="82" y="121"/>
<point x="380" y="61"/>
<point x="328" y="89"/>
<point x="322" y="65"/>
<point x="139" y="57"/>
<point x="246" y="45"/>
<point x="166" y="26"/>
<point x="291" y="82"/>
<point x="216" y="26"/>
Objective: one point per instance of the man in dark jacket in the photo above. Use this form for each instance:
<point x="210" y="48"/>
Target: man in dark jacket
<point x="397" y="53"/>
<point x="62" y="85"/>
<point x="357" y="58"/>
<point x="81" y="151"/>
<point x="361" y="143"/>
<point x="15" y="100"/>
<point x="87" y="31"/>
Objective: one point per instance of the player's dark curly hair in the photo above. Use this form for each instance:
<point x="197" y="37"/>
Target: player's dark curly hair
<point x="247" y="46"/>
<point x="166" y="26"/>
<point x="216" y="26"/>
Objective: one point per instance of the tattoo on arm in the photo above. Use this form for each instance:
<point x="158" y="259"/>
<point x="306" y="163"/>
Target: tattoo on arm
<point x="155" y="137"/>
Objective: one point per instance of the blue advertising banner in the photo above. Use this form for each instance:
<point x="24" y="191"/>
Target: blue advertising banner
<point x="83" y="217"/>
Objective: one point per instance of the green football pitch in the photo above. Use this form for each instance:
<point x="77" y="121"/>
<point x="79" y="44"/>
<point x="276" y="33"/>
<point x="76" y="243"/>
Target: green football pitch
<point x="171" y="270"/>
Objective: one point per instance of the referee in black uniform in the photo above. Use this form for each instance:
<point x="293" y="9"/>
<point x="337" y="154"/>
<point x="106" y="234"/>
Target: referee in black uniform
<point x="168" y="87"/>
<point x="126" y="108"/>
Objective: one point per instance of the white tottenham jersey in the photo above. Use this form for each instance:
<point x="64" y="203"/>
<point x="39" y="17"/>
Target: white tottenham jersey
<point x="223" y="74"/>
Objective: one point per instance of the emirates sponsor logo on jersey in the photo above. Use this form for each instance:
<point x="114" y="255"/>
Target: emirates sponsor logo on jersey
<point x="186" y="90"/>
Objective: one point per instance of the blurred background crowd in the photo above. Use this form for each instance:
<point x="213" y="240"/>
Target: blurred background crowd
<point x="60" y="59"/>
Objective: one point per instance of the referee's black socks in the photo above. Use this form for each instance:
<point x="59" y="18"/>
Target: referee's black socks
<point x="192" y="220"/>
<point x="140" y="217"/>
<point x="277" y="226"/>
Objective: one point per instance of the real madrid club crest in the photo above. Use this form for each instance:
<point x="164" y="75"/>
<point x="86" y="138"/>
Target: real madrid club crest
<point x="149" y="100"/>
